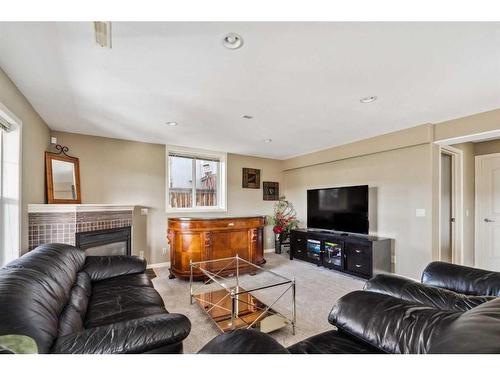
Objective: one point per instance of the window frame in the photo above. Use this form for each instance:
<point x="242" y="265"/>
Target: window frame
<point x="16" y="128"/>
<point x="221" y="181"/>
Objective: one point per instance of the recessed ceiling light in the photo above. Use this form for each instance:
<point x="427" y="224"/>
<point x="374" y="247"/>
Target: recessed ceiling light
<point x="232" y="41"/>
<point x="368" y="99"/>
<point x="268" y="140"/>
<point x="172" y="123"/>
<point x="247" y="117"/>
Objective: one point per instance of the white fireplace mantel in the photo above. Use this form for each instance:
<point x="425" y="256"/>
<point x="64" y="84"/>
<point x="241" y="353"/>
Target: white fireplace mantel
<point x="47" y="208"/>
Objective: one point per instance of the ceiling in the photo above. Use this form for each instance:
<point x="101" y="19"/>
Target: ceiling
<point x="301" y="82"/>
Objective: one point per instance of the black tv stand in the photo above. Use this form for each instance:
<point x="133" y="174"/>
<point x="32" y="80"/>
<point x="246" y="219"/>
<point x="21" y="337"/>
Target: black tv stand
<point x="356" y="254"/>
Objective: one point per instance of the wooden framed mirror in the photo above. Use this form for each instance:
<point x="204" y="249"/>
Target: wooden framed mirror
<point x="63" y="177"/>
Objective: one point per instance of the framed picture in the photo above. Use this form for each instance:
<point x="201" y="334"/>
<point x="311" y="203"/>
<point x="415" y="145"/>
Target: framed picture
<point x="271" y="191"/>
<point x="251" y="178"/>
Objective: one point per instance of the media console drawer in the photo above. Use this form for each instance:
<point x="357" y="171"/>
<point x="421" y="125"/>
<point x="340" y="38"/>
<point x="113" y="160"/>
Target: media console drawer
<point x="359" y="255"/>
<point x="359" y="265"/>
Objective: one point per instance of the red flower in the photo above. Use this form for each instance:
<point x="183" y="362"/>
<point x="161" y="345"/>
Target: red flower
<point x="277" y="229"/>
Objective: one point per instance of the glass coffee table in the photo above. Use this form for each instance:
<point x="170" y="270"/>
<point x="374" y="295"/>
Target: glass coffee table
<point x="242" y="295"/>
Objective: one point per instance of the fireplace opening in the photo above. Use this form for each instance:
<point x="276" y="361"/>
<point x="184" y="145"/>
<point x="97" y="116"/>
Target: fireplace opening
<point x="116" y="241"/>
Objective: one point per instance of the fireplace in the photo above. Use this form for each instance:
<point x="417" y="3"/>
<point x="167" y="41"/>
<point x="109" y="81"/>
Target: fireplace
<point x="115" y="241"/>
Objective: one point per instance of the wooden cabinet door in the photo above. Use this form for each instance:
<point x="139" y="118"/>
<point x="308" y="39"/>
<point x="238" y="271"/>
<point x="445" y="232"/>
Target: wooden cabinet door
<point x="189" y="246"/>
<point x="226" y="244"/>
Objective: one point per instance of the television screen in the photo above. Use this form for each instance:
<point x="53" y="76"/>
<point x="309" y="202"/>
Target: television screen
<point x="343" y="209"/>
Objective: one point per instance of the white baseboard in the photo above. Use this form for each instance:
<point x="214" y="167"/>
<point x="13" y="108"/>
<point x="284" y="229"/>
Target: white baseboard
<point x="269" y="250"/>
<point x="158" y="265"/>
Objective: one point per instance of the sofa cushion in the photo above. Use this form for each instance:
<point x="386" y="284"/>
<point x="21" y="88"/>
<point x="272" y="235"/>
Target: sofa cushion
<point x="243" y="341"/>
<point x="476" y="331"/>
<point x="138" y="279"/>
<point x="34" y="290"/>
<point x="390" y="324"/>
<point x="71" y="319"/>
<point x="130" y="297"/>
<point x="107" y="267"/>
<point x="413" y="291"/>
<point x="332" y="342"/>
<point x="154" y="333"/>
<point x="462" y="279"/>
<point x="60" y="262"/>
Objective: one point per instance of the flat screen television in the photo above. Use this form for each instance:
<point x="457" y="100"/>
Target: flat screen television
<point x="343" y="209"/>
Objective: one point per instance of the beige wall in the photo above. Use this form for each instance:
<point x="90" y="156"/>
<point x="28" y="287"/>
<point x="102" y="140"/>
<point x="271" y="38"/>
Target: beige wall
<point x="125" y="172"/>
<point x="35" y="141"/>
<point x="488" y="147"/>
<point x="400" y="182"/>
<point x="114" y="171"/>
<point x="242" y="202"/>
<point x="469" y="125"/>
<point x="401" y="139"/>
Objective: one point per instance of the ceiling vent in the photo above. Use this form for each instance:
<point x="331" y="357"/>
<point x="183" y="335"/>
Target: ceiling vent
<point x="103" y="33"/>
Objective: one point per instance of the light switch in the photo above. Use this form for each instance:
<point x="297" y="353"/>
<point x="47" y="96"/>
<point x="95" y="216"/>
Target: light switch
<point x="144" y="211"/>
<point x="420" y="212"/>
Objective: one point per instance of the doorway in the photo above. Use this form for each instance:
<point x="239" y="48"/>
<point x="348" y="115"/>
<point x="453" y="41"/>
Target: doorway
<point x="447" y="218"/>
<point x="487" y="254"/>
<point x="450" y="205"/>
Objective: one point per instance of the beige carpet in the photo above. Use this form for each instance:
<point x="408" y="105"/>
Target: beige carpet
<point x="317" y="291"/>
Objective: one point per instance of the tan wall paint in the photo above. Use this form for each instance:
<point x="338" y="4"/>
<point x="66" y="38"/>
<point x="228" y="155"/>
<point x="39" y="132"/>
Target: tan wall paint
<point x="114" y="171"/>
<point x="126" y="172"/>
<point x="400" y="139"/>
<point x="488" y="147"/>
<point x="474" y="124"/>
<point x="243" y="202"/>
<point x="35" y="141"/>
<point x="400" y="182"/>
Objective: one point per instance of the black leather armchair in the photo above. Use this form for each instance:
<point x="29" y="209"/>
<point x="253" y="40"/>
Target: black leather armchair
<point x="70" y="303"/>
<point x="455" y="309"/>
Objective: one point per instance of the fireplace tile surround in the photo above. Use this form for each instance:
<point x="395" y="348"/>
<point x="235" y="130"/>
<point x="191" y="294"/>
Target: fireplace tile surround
<point x="49" y="223"/>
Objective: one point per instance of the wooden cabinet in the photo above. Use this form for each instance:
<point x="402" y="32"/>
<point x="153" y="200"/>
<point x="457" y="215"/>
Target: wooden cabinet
<point x="358" y="255"/>
<point x="199" y="239"/>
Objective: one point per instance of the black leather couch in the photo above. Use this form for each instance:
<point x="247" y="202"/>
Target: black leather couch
<point x="455" y="309"/>
<point x="70" y="303"/>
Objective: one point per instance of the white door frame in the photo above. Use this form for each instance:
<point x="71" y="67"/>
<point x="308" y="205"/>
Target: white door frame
<point x="477" y="218"/>
<point x="457" y="203"/>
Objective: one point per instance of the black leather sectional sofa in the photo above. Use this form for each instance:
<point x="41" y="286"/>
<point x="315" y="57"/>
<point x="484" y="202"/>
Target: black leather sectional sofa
<point x="70" y="303"/>
<point x="455" y="309"/>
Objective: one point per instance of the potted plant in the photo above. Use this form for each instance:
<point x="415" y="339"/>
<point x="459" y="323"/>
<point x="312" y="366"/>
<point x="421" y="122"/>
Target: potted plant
<point x="283" y="220"/>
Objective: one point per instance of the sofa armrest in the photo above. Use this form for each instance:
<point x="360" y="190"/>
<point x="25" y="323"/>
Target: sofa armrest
<point x="388" y="323"/>
<point x="243" y="341"/>
<point x="414" y="291"/>
<point x="106" y="267"/>
<point x="132" y="336"/>
<point x="462" y="279"/>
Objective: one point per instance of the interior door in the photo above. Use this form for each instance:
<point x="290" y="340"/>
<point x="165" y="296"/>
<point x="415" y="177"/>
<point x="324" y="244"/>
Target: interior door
<point x="488" y="212"/>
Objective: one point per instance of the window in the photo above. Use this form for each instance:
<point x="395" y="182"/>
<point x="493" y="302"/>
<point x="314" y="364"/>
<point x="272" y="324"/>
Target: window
<point x="9" y="187"/>
<point x="196" y="180"/>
